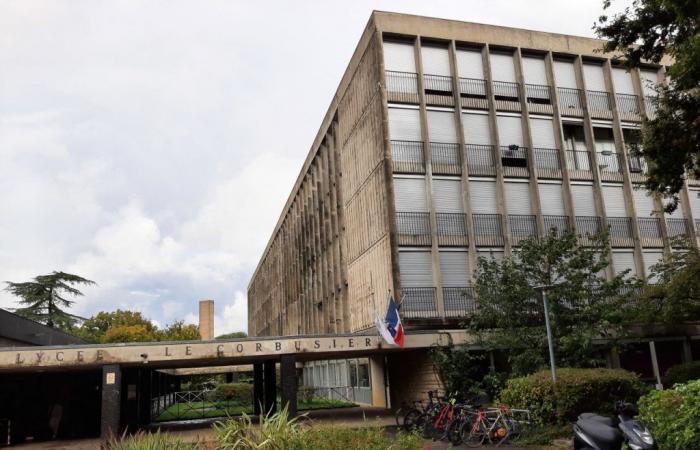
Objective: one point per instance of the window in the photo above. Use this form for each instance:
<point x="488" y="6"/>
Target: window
<point x="363" y="374"/>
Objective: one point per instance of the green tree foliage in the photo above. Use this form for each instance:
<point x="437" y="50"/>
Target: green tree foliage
<point x="647" y="31"/>
<point x="123" y="322"/>
<point x="584" y="305"/>
<point x="178" y="331"/>
<point x="672" y="416"/>
<point x="128" y="333"/>
<point x="47" y="297"/>
<point x="234" y="335"/>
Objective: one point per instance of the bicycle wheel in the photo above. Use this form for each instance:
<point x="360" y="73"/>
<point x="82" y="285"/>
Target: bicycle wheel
<point x="476" y="435"/>
<point x="410" y="418"/>
<point x="399" y="416"/>
<point x="454" y="431"/>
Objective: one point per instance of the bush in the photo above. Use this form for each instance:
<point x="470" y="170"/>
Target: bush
<point x="672" y="416"/>
<point x="241" y="393"/>
<point x="344" y="438"/>
<point x="148" y="441"/>
<point x="682" y="373"/>
<point x="576" y="391"/>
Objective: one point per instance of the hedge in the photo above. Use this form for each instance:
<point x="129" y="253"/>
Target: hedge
<point x="576" y="391"/>
<point x="682" y="373"/>
<point x="241" y="393"/>
<point x="673" y="416"/>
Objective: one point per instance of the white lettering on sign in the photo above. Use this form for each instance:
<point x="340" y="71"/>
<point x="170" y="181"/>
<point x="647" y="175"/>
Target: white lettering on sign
<point x="111" y="378"/>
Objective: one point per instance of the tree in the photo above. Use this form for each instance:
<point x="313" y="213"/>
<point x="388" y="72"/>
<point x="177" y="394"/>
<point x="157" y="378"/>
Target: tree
<point x="646" y="32"/>
<point x="234" y="335"/>
<point x="128" y="333"/>
<point x="584" y="305"/>
<point x="178" y="331"/>
<point x="47" y="296"/>
<point x="95" y="328"/>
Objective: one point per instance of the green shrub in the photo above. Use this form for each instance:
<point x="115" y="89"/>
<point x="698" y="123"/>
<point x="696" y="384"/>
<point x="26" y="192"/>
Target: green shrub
<point x="148" y="441"/>
<point x="343" y="438"/>
<point x="576" y="391"/>
<point x="276" y="431"/>
<point x="673" y="416"/>
<point x="241" y="393"/>
<point x="682" y="373"/>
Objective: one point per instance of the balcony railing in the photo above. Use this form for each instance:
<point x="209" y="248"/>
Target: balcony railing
<point x="579" y="164"/>
<point x="677" y="227"/>
<point x="458" y="301"/>
<point x="599" y="104"/>
<point x="650" y="231"/>
<point x="473" y="93"/>
<point x="522" y="227"/>
<point x="413" y="228"/>
<point x="452" y="229"/>
<point x="650" y="106"/>
<point x="438" y="90"/>
<point x="547" y="162"/>
<point x="506" y="95"/>
<point x="481" y="159"/>
<point x="587" y="228"/>
<point x="620" y="231"/>
<point x="514" y="161"/>
<point x="638" y="167"/>
<point x="539" y="98"/>
<point x="570" y="102"/>
<point x="558" y="223"/>
<point x="419" y="303"/>
<point x="402" y="87"/>
<point x="610" y="166"/>
<point x="628" y="107"/>
<point x="488" y="230"/>
<point x="445" y="158"/>
<point x="407" y="157"/>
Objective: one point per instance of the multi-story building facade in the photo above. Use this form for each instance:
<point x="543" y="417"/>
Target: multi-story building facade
<point x="449" y="140"/>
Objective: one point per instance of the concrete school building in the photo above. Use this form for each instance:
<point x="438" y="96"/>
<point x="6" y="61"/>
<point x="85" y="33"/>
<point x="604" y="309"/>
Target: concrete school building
<point x="449" y="140"/>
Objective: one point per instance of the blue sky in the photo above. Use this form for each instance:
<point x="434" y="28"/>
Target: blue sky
<point x="150" y="146"/>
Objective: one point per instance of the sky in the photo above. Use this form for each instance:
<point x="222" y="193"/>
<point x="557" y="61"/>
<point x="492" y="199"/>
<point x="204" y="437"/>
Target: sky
<point x="150" y="146"/>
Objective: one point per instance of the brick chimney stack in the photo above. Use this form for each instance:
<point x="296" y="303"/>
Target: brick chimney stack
<point x="206" y="319"/>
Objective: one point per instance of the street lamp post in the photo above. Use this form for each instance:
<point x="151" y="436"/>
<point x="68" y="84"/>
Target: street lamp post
<point x="550" y="342"/>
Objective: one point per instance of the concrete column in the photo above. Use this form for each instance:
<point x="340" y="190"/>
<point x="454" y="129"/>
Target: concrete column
<point x="377" y="380"/>
<point x="269" y="387"/>
<point x="288" y="384"/>
<point x="655" y="365"/>
<point x="111" y="401"/>
<point x="206" y="319"/>
<point x="258" y="394"/>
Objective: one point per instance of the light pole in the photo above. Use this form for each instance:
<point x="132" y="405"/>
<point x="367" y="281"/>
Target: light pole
<point x="550" y="342"/>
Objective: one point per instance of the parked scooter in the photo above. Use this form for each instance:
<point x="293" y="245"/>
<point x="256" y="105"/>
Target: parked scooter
<point x="594" y="432"/>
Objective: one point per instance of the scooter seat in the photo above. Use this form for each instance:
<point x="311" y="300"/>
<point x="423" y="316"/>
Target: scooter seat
<point x="598" y="418"/>
<point x="605" y="436"/>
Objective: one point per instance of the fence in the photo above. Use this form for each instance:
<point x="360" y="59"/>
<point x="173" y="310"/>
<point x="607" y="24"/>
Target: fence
<point x="407" y="156"/>
<point x="445" y="158"/>
<point x="481" y="159"/>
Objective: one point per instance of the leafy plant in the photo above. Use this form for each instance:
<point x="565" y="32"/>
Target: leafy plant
<point x="149" y="441"/>
<point x="273" y="432"/>
<point x="241" y="393"/>
<point x="682" y="373"/>
<point x="672" y="416"/>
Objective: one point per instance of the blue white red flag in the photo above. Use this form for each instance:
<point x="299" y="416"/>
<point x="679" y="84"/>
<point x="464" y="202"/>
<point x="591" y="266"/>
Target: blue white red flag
<point x="393" y="323"/>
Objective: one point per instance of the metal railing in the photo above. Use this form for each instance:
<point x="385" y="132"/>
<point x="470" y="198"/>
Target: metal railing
<point x="522" y="227"/>
<point x="588" y="227"/>
<point x="558" y="223"/>
<point x="539" y="98"/>
<point x="506" y="95"/>
<point x="473" y="93"/>
<point x="514" y="161"/>
<point x="451" y="228"/>
<point x="610" y="165"/>
<point x="413" y="228"/>
<point x="650" y="231"/>
<point x="488" y="229"/>
<point x="620" y="231"/>
<point x="637" y="166"/>
<point x="570" y="101"/>
<point x="481" y="159"/>
<point x="599" y="104"/>
<point x="650" y="106"/>
<point x="628" y="107"/>
<point x="402" y="87"/>
<point x="579" y="164"/>
<point x="548" y="162"/>
<point x="407" y="156"/>
<point x="677" y="227"/>
<point x="438" y="90"/>
<point x="445" y="158"/>
<point x="458" y="301"/>
<point x="419" y="303"/>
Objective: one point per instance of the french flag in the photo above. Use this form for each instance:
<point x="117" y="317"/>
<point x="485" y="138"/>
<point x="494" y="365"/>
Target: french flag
<point x="391" y="327"/>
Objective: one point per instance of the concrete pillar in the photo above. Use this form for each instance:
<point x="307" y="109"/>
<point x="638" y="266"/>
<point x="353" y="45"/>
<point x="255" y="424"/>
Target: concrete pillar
<point x="655" y="365"/>
<point x="288" y="384"/>
<point x="377" y="379"/>
<point x="206" y="319"/>
<point x="258" y="392"/>
<point x="111" y="401"/>
<point x="270" y="387"/>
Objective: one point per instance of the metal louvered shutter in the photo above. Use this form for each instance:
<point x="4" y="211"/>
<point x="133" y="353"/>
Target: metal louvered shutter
<point x="534" y="70"/>
<point x="649" y="79"/>
<point x="409" y="195"/>
<point x="482" y="195"/>
<point x="454" y="269"/>
<point x="542" y="133"/>
<point x="502" y="68"/>
<point x="518" y="198"/>
<point x="551" y="199"/>
<point x="447" y="195"/>
<point x="651" y="257"/>
<point x="694" y="196"/>
<point x="510" y="130"/>
<point x="404" y="124"/>
<point x="623" y="260"/>
<point x="643" y="202"/>
<point x="476" y="129"/>
<point x="399" y="57"/>
<point x="582" y="196"/>
<point x="470" y="64"/>
<point x="622" y="80"/>
<point x="441" y="126"/>
<point x="614" y="199"/>
<point x="593" y="74"/>
<point x="565" y="74"/>
<point x="436" y="61"/>
<point x="416" y="269"/>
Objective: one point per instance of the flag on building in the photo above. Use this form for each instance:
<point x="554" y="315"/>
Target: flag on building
<point x="391" y="328"/>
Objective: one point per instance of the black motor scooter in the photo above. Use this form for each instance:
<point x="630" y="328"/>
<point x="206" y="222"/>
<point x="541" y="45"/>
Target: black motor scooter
<point x="594" y="432"/>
